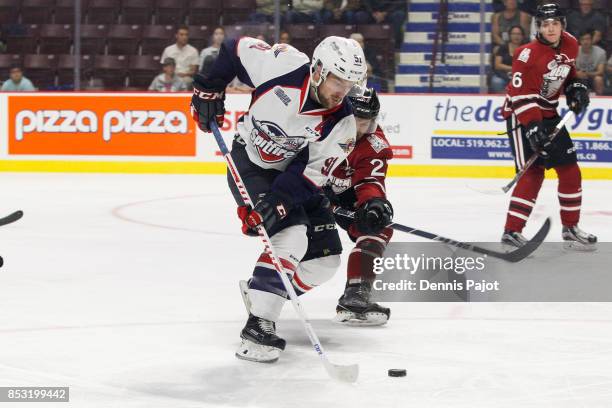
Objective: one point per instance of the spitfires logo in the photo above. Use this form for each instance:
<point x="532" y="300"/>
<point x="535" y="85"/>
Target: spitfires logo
<point x="272" y="143"/>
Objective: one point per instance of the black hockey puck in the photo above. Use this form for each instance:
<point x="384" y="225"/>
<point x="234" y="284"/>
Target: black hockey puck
<point x="397" y="372"/>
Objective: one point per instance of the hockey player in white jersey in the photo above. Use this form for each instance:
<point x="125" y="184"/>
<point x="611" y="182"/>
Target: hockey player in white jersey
<point x="298" y="129"/>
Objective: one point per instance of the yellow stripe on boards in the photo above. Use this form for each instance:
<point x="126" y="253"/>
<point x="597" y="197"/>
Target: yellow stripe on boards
<point x="395" y="170"/>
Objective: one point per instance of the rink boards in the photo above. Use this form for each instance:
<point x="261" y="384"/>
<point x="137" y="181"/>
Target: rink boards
<point x="437" y="135"/>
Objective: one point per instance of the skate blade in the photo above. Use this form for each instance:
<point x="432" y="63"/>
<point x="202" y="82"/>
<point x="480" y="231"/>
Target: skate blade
<point x="244" y="292"/>
<point x="257" y="353"/>
<point x="579" y="246"/>
<point x="361" y="319"/>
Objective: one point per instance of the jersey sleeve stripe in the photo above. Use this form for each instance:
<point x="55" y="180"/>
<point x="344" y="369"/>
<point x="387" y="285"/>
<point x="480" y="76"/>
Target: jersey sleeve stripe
<point x="526" y="107"/>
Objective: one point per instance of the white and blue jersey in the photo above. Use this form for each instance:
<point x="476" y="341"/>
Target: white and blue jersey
<point x="284" y="129"/>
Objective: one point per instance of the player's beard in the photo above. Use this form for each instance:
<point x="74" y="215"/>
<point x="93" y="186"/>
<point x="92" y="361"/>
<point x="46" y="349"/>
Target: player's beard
<point x="329" y="102"/>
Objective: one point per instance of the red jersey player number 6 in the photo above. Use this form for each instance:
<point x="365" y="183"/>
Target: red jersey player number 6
<point x="541" y="71"/>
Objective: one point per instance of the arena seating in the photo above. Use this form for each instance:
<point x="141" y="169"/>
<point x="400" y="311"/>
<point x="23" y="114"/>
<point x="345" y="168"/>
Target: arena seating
<point x="457" y="63"/>
<point x="139" y="30"/>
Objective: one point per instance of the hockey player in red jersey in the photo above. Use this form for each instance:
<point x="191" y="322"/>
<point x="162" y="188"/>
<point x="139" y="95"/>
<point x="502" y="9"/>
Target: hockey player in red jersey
<point x="358" y="184"/>
<point x="541" y="70"/>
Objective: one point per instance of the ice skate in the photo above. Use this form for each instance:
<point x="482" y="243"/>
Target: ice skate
<point x="513" y="239"/>
<point x="576" y="239"/>
<point x="354" y="307"/>
<point x="259" y="341"/>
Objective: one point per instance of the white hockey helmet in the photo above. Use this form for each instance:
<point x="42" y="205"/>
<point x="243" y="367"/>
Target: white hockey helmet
<point x="342" y="57"/>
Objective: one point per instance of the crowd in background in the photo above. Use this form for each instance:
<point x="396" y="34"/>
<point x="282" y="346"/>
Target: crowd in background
<point x="181" y="60"/>
<point x="513" y="25"/>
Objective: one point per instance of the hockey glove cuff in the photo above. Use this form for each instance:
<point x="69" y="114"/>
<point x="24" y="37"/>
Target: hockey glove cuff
<point x="374" y="215"/>
<point x="271" y="209"/>
<point x="577" y="96"/>
<point x="207" y="102"/>
<point x="538" y="139"/>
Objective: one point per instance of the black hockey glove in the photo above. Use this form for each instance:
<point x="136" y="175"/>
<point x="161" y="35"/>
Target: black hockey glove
<point x="331" y="196"/>
<point x="207" y="102"/>
<point x="577" y="96"/>
<point x="538" y="139"/>
<point x="267" y="212"/>
<point x="374" y="215"/>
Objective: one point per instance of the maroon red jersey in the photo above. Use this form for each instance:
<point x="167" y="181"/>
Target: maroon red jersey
<point x="363" y="172"/>
<point x="539" y="73"/>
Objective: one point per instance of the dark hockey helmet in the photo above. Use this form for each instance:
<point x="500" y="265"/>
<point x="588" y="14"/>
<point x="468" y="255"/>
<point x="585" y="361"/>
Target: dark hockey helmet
<point x="367" y="105"/>
<point x="549" y="11"/>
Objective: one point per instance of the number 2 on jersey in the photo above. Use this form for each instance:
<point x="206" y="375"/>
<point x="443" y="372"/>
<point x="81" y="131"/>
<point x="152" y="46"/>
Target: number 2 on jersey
<point x="378" y="164"/>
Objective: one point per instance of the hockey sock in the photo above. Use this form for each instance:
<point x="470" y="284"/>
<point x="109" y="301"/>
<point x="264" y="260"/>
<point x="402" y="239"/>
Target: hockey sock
<point x="361" y="260"/>
<point x="570" y="193"/>
<point x="266" y="279"/>
<point x="523" y="198"/>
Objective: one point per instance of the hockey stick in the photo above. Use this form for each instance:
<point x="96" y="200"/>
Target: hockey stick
<point x="346" y="373"/>
<point x="513" y="256"/>
<point x="16" y="216"/>
<point x="535" y="156"/>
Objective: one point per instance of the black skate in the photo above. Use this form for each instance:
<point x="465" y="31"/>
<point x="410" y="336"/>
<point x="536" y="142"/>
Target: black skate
<point x="576" y="239"/>
<point x="259" y="341"/>
<point x="354" y="307"/>
<point x="513" y="239"/>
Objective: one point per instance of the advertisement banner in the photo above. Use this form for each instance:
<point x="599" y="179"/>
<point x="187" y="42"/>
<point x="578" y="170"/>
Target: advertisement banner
<point x="101" y="125"/>
<point x="431" y="134"/>
<point x="455" y="129"/>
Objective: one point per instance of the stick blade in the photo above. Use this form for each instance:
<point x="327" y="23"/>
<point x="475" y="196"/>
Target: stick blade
<point x="16" y="216"/>
<point x="343" y="373"/>
<point x="533" y="244"/>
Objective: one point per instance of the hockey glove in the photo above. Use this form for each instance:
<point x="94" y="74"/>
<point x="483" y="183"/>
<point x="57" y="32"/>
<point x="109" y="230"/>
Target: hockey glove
<point x="577" y="96"/>
<point x="207" y="102"/>
<point x="374" y="215"/>
<point x="331" y="196"/>
<point x="538" y="140"/>
<point x="271" y="209"/>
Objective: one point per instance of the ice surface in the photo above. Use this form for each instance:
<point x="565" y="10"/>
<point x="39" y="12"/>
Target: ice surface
<point x="124" y="287"/>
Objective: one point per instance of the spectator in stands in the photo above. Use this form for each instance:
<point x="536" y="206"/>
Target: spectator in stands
<point x="502" y="21"/>
<point x="608" y="90"/>
<point x="591" y="63"/>
<point x="375" y="75"/>
<point x="392" y="12"/>
<point x="2" y="42"/>
<point x="168" y="81"/>
<point x="586" y="18"/>
<point x="503" y="59"/>
<point x="184" y="55"/>
<point x="17" y="82"/>
<point x="264" y="11"/>
<point x="345" y="12"/>
<point x="210" y="54"/>
<point x="529" y="6"/>
<point x="369" y="54"/>
<point x="284" y="38"/>
<point x="305" y="11"/>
